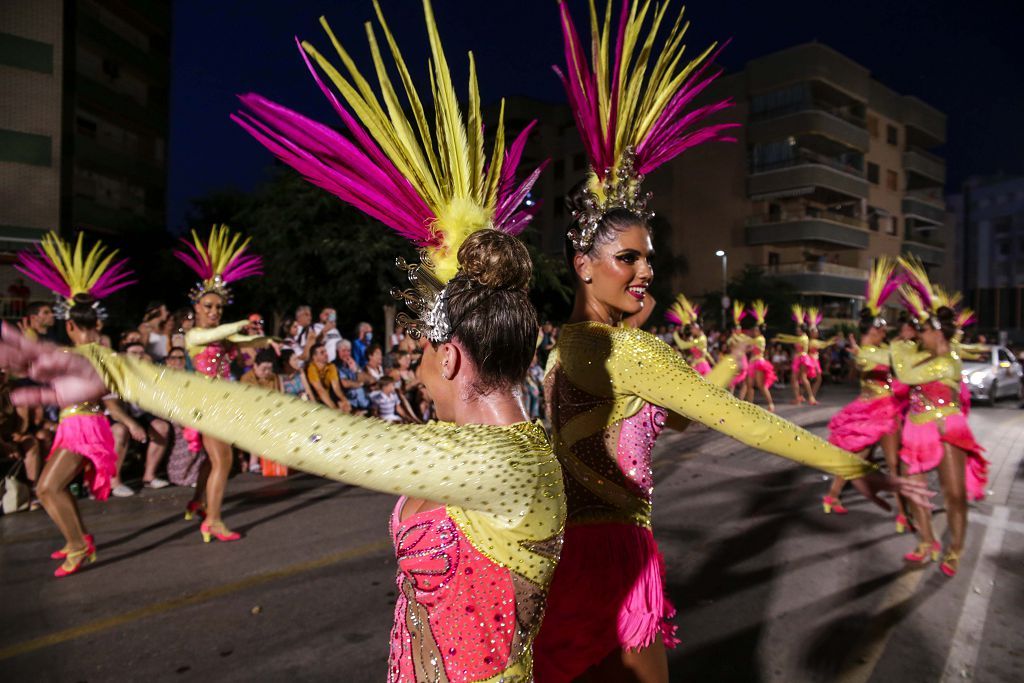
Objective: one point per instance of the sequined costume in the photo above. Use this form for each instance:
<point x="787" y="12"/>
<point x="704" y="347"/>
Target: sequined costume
<point x="611" y="391"/>
<point x="696" y="349"/>
<point x="739" y="339"/>
<point x="813" y="352"/>
<point x="935" y="416"/>
<point x="801" y="356"/>
<point x="472" y="575"/>
<point x="85" y="430"/>
<point x="760" y="364"/>
<point x="875" y="412"/>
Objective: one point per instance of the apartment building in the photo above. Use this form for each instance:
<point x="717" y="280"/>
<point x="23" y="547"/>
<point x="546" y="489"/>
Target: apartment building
<point x="83" y="120"/>
<point x="989" y="264"/>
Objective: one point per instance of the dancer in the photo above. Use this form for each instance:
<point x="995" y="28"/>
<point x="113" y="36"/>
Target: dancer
<point x="803" y="368"/>
<point x="83" y="440"/>
<point x="218" y="262"/>
<point x="815" y="346"/>
<point x="739" y="340"/>
<point x="479" y="534"/>
<point x="935" y="433"/>
<point x="760" y="373"/>
<point x="693" y="342"/>
<point x="611" y="389"/>
<point x="874" y="417"/>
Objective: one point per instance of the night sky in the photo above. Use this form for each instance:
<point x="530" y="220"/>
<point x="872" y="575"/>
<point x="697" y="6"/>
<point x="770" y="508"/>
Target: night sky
<point x="963" y="58"/>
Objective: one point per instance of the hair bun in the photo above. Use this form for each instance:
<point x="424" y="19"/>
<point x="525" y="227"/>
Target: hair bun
<point x="576" y="199"/>
<point x="866" y="314"/>
<point x="496" y="260"/>
<point x="84" y="299"/>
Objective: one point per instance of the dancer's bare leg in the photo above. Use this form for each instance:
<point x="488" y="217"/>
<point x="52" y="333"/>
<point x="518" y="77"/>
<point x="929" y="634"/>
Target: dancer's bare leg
<point x="218" y="454"/>
<point x="649" y="665"/>
<point x="60" y="471"/>
<point x="807" y="386"/>
<point x="765" y="391"/>
<point x="159" y="436"/>
<point x="838" y="482"/>
<point x="891" y="448"/>
<point x="952" y="476"/>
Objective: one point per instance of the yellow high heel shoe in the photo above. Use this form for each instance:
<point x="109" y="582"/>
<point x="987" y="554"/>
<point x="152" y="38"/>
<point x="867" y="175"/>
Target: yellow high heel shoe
<point x="950" y="563"/>
<point x="924" y="552"/>
<point x="75" y="560"/>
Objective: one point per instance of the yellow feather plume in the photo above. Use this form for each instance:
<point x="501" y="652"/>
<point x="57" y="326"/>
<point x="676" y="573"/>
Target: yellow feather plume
<point x="79" y="270"/>
<point x="760" y="310"/>
<point x="881" y="273"/>
<point x="737" y="312"/>
<point x="684" y="309"/>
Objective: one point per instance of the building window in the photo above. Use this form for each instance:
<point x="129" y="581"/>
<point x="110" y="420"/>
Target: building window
<point x="579" y="162"/>
<point x="892" y="135"/>
<point x="559" y="169"/>
<point x="773" y="259"/>
<point x="892" y="181"/>
<point x="872" y="173"/>
<point x="873" y="127"/>
<point x="111" y="69"/>
<point x="889" y="224"/>
<point x="1003" y="247"/>
<point x="85" y="126"/>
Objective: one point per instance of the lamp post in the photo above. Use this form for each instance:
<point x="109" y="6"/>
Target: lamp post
<point x="725" y="285"/>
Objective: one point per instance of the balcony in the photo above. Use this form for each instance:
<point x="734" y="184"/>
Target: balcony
<point x="801" y="174"/>
<point x="814" y="228"/>
<point x="925" y="165"/>
<point x="925" y="206"/>
<point x="809" y="119"/>
<point x="923" y="121"/>
<point x="829" y="279"/>
<point x="931" y="251"/>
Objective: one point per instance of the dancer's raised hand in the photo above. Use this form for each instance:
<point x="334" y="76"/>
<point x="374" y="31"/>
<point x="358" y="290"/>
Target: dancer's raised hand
<point x="65" y="378"/>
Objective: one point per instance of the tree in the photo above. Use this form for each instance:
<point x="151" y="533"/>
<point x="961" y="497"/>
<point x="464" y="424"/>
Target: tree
<point x="753" y="284"/>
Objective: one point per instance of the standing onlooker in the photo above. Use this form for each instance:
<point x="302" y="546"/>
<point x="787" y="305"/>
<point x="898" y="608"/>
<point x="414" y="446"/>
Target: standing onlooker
<point x="364" y="337"/>
<point x="38" y="320"/>
<point x="156" y="330"/>
<point x="534" y="388"/>
<point x="183" y="464"/>
<point x="323" y="379"/>
<point x="548" y="338"/>
<point x="327" y="332"/>
<point x="304" y="317"/>
<point x="397" y="337"/>
<point x="352" y="380"/>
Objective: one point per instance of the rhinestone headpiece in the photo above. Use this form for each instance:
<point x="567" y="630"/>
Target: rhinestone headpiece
<point x="619" y="190"/>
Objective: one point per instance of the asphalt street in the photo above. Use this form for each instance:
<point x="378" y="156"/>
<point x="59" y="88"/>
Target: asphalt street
<point x="768" y="587"/>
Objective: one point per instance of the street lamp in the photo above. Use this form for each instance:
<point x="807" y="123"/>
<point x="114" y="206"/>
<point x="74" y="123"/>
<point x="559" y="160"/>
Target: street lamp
<point x="725" y="285"/>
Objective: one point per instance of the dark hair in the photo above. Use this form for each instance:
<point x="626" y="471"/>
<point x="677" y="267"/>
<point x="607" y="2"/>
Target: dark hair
<point x="611" y="222"/>
<point x="83" y="312"/>
<point x="286" y="327"/>
<point x="284" y="361"/>
<point x="372" y="349"/>
<point x="36" y="306"/>
<point x="386" y="380"/>
<point x="125" y="347"/>
<point x="490" y="311"/>
<point x="749" y="323"/>
<point x="173" y="349"/>
<point x="947" y="321"/>
<point x="265" y="356"/>
<point x="867" y="321"/>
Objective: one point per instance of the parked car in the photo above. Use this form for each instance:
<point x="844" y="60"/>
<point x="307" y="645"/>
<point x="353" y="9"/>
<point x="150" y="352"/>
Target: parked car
<point x="995" y="374"/>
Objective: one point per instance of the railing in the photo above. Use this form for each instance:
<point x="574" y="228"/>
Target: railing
<point x="918" y="237"/>
<point x="808" y="213"/>
<point x="933" y="197"/>
<point x="804" y="157"/>
<point x="925" y="153"/>
<point x="798" y="107"/>
<point x="11" y="308"/>
<point x="817" y="268"/>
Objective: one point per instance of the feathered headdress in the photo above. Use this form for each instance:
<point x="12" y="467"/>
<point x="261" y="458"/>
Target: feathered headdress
<point x="71" y="273"/>
<point x="633" y="116"/>
<point x="219" y="261"/>
<point x="965" y="317"/>
<point x="759" y="309"/>
<point x="881" y="284"/>
<point x="432" y="184"/>
<point x="739" y="312"/>
<point x="797" y="313"/>
<point x="682" y="312"/>
<point x="917" y="293"/>
<point x="813" y="318"/>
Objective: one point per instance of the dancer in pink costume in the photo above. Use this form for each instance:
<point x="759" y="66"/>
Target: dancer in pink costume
<point x="612" y="389"/>
<point x="815" y="346"/>
<point x="692" y="341"/>
<point x="737" y="340"/>
<point x="83" y="440"/>
<point x="219" y="261"/>
<point x="875" y="416"/>
<point x="803" y="368"/>
<point x="760" y="373"/>
<point x="936" y="435"/>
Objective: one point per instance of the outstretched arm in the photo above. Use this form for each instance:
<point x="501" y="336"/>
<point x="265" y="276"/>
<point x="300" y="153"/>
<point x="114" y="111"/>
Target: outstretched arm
<point x="787" y="339"/>
<point x="205" y="336"/>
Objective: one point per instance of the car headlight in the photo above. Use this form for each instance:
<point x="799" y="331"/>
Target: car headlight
<point x="978" y="377"/>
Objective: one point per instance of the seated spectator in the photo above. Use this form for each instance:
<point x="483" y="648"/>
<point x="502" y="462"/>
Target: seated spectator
<point x="324" y="381"/>
<point x="291" y="377"/>
<point x="260" y="375"/>
<point x="361" y="345"/>
<point x="780" y="359"/>
<point x="387" y="405"/>
<point x="353" y="381"/>
<point x="183" y="464"/>
<point x="373" y="371"/>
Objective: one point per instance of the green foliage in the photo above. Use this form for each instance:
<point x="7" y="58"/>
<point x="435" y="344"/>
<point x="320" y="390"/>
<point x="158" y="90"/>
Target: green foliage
<point x="753" y="284"/>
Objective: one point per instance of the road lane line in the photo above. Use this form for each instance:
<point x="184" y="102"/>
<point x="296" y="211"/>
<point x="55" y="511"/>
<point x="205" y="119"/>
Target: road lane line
<point x="154" y="609"/>
<point x="963" y="651"/>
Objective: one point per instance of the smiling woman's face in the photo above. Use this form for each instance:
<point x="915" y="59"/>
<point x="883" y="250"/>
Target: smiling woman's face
<point x="620" y="271"/>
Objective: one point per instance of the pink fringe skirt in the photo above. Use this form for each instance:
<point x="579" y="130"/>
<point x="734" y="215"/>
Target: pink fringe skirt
<point x="607" y="594"/>
<point x="767" y="370"/>
<point x="862" y="423"/>
<point x="90" y="437"/>
<point x="741" y="375"/>
<point x="805" y="362"/>
<point x="922" y="449"/>
<point x="703" y="368"/>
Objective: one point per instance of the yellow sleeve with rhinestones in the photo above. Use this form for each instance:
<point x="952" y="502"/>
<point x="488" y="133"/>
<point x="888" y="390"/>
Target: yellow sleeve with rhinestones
<point x="604" y="360"/>
<point x="788" y="339"/>
<point x="479" y="467"/>
<point x="724" y="371"/>
<point x="683" y="344"/>
<point x="969" y="351"/>
<point x="819" y="344"/>
<point x="869" y="357"/>
<point x="922" y="368"/>
<point x="198" y="337"/>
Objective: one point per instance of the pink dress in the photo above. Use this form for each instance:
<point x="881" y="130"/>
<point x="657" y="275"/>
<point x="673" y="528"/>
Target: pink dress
<point x="85" y="430"/>
<point x="760" y="364"/>
<point x="875" y="413"/>
<point x="453" y="601"/>
<point x="700" y="362"/>
<point x="214" y="360"/>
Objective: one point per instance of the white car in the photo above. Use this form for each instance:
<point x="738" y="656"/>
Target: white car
<point x="995" y="374"/>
